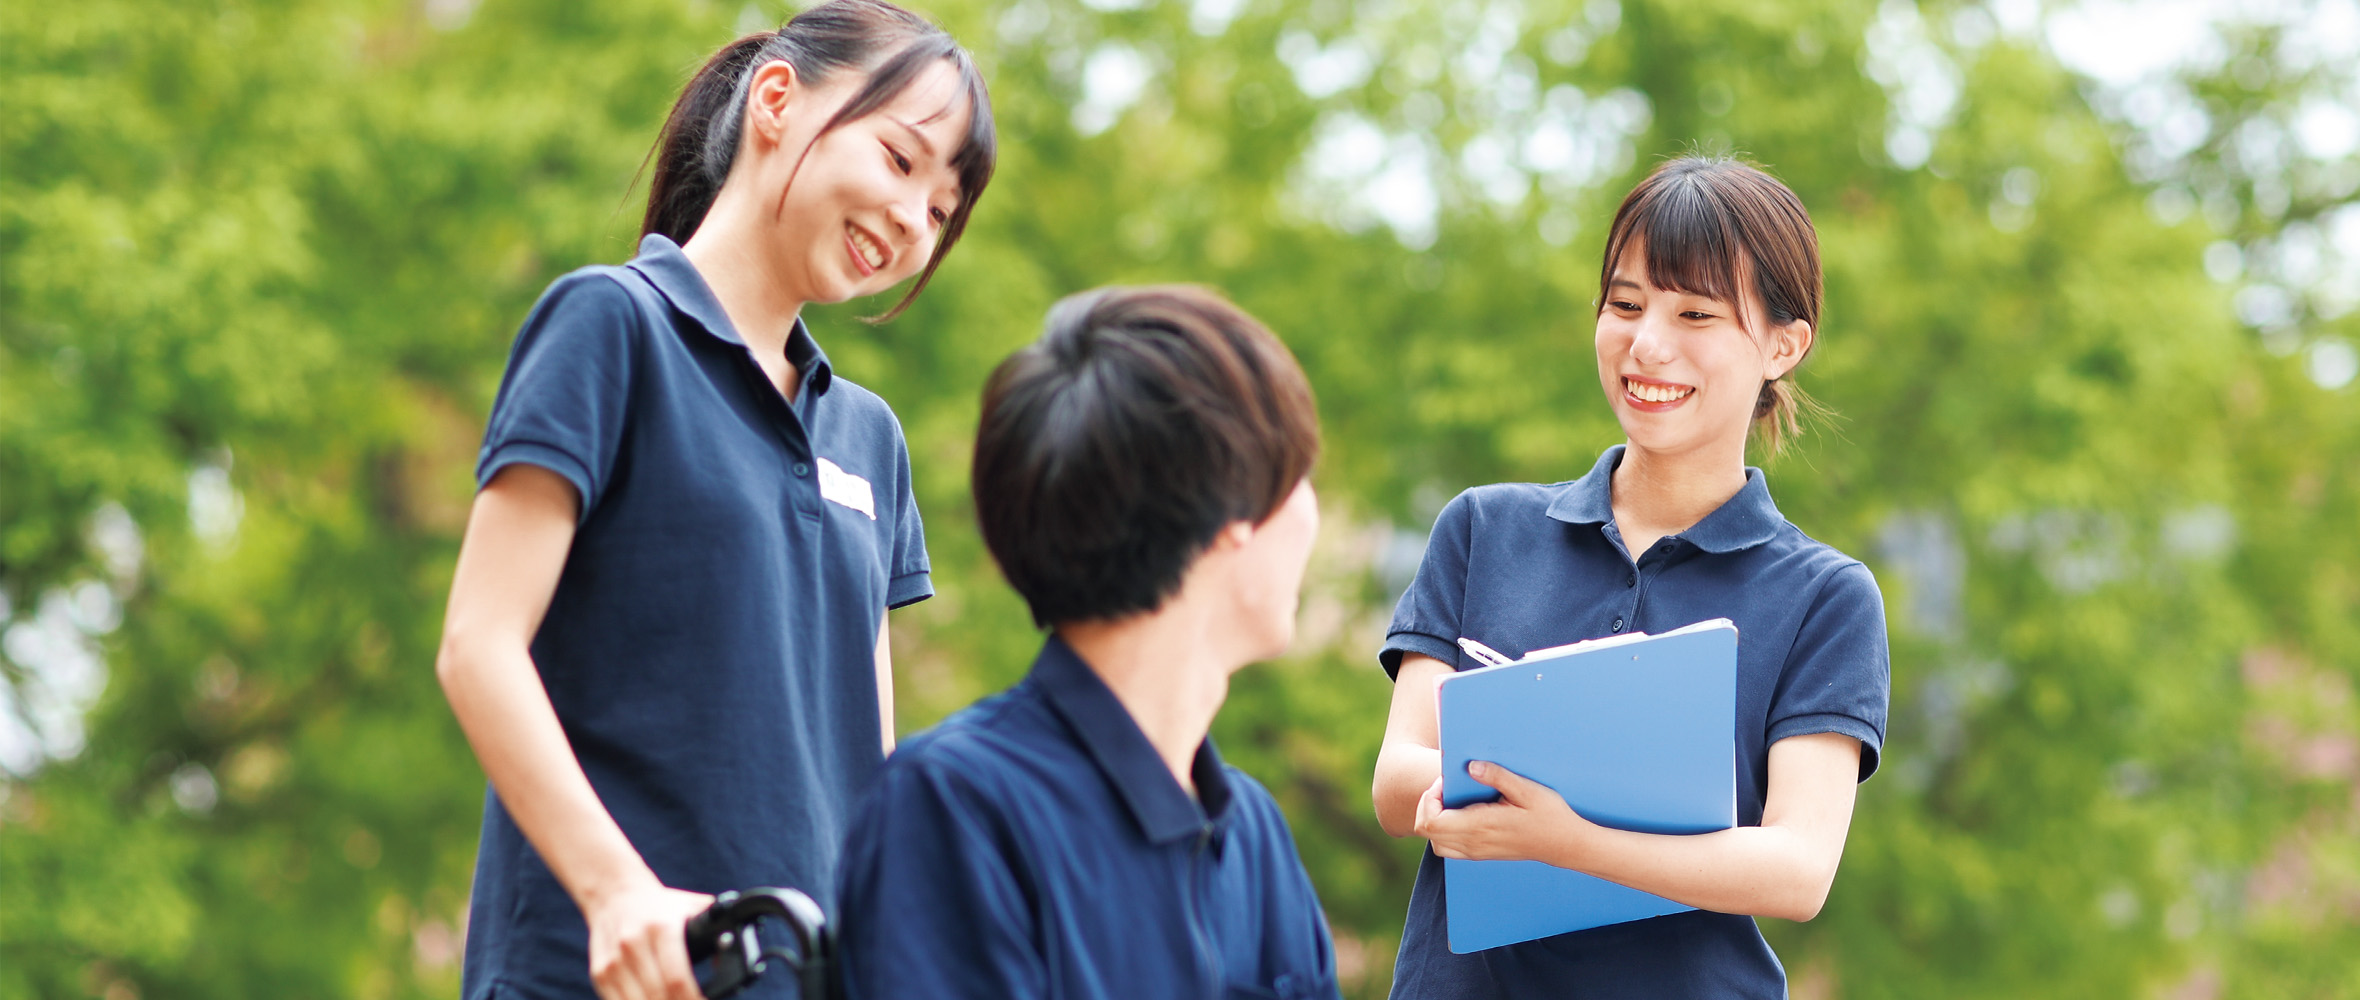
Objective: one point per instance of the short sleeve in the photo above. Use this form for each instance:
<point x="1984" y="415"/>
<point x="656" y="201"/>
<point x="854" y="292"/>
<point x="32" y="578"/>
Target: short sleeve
<point x="1427" y="619"/>
<point x="909" y="573"/>
<point x="930" y="902"/>
<point x="562" y="402"/>
<point x="1838" y="677"/>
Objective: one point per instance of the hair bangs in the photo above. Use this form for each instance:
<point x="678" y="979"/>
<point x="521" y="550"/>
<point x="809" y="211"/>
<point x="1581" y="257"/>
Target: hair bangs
<point x="1689" y="240"/>
<point x="1713" y="226"/>
<point x="978" y="152"/>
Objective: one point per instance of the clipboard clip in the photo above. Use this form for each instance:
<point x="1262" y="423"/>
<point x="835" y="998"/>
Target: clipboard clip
<point x="1484" y="654"/>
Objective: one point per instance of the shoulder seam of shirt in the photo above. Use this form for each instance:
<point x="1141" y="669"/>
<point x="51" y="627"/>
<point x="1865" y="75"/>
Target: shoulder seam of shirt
<point x="1487" y="491"/>
<point x="639" y="307"/>
<point x="1510" y="499"/>
<point x="1819" y="593"/>
<point x="1827" y="578"/>
<point x="590" y="275"/>
<point x="634" y="322"/>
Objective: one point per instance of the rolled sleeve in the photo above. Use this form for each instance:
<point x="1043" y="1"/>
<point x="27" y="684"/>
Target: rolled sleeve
<point x="911" y="579"/>
<point x="1428" y="617"/>
<point x="908" y="589"/>
<point x="562" y="403"/>
<point x="1401" y="644"/>
<point x="1838" y="678"/>
<point x="548" y="456"/>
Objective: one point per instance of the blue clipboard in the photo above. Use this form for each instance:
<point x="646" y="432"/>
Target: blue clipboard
<point x="1638" y="732"/>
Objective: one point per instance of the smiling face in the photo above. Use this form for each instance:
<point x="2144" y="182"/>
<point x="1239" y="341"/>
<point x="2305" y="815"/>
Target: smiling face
<point x="1683" y="370"/>
<point x="858" y="209"/>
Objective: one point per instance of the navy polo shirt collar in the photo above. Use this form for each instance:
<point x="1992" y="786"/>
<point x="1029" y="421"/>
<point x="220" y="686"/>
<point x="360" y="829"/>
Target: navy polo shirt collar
<point x="674" y="275"/>
<point x="1115" y="743"/>
<point x="1742" y="522"/>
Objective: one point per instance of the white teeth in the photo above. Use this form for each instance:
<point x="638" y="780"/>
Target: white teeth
<point x="1655" y="393"/>
<point x="870" y="252"/>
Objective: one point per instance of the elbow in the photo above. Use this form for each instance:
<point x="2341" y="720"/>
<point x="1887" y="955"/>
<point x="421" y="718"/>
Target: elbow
<point x="1376" y="797"/>
<point x="1805" y="900"/>
<point x="1395" y="798"/>
<point x="1801" y="910"/>
<point x="1394" y="822"/>
<point x="451" y="661"/>
<point x="1403" y="776"/>
<point x="1396" y="818"/>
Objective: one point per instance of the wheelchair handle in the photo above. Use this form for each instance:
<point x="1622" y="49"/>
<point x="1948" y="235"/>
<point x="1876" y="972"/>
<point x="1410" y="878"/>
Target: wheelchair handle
<point x="727" y="935"/>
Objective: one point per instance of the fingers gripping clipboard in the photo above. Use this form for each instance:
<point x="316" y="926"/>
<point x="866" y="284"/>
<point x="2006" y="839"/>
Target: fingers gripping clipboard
<point x="1637" y="732"/>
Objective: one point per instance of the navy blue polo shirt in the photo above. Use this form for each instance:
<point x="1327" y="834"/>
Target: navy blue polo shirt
<point x="1034" y="845"/>
<point x="1520" y="567"/>
<point x="711" y="645"/>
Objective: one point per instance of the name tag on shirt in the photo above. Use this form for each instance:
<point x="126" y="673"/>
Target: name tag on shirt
<point x="843" y="487"/>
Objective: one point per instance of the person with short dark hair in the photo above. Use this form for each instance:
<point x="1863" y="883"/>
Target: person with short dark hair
<point x="1141" y="476"/>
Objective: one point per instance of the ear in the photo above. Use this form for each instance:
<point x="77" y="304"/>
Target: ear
<point x="1789" y="342"/>
<point x="773" y="88"/>
<point x="1233" y="535"/>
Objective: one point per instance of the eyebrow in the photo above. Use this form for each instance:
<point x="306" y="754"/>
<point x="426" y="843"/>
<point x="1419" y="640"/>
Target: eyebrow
<point x="923" y="142"/>
<point x="1625" y="283"/>
<point x="927" y="145"/>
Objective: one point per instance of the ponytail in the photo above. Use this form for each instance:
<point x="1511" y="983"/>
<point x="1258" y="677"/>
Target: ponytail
<point x="701" y="136"/>
<point x="699" y="141"/>
<point x="1779" y="414"/>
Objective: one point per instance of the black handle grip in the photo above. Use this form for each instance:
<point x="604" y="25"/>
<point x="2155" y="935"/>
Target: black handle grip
<point x="704" y="929"/>
<point x="725" y="934"/>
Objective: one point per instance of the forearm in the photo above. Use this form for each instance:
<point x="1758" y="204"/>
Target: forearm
<point x="1404" y="771"/>
<point x="1764" y="871"/>
<point x="1781" y="868"/>
<point x="1407" y="762"/>
<point x="504" y="710"/>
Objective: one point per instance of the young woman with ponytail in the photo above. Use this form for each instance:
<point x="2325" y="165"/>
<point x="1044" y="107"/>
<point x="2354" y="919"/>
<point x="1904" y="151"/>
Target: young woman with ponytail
<point x="666" y="638"/>
<point x="1708" y="299"/>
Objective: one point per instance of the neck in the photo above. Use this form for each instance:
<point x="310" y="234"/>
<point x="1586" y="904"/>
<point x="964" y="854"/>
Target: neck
<point x="1169" y="670"/>
<point x="1657" y="493"/>
<point x="737" y="262"/>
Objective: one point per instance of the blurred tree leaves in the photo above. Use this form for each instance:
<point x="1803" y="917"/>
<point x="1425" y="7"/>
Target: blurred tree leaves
<point x="259" y="264"/>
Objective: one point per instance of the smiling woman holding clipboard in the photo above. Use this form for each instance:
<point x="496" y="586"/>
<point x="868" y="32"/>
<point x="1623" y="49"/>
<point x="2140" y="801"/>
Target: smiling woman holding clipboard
<point x="1709" y="297"/>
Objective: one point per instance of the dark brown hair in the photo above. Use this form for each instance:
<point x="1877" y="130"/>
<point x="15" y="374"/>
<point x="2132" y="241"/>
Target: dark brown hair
<point x="1115" y="448"/>
<point x="1709" y="220"/>
<point x="700" y="138"/>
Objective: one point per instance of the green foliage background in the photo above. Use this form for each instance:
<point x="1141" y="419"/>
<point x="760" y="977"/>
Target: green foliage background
<point x="260" y="262"/>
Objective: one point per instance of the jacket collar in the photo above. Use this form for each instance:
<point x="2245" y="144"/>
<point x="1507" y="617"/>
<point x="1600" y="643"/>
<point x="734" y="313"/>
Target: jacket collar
<point x="1741" y="522"/>
<point x="674" y="276"/>
<point x="1105" y="729"/>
